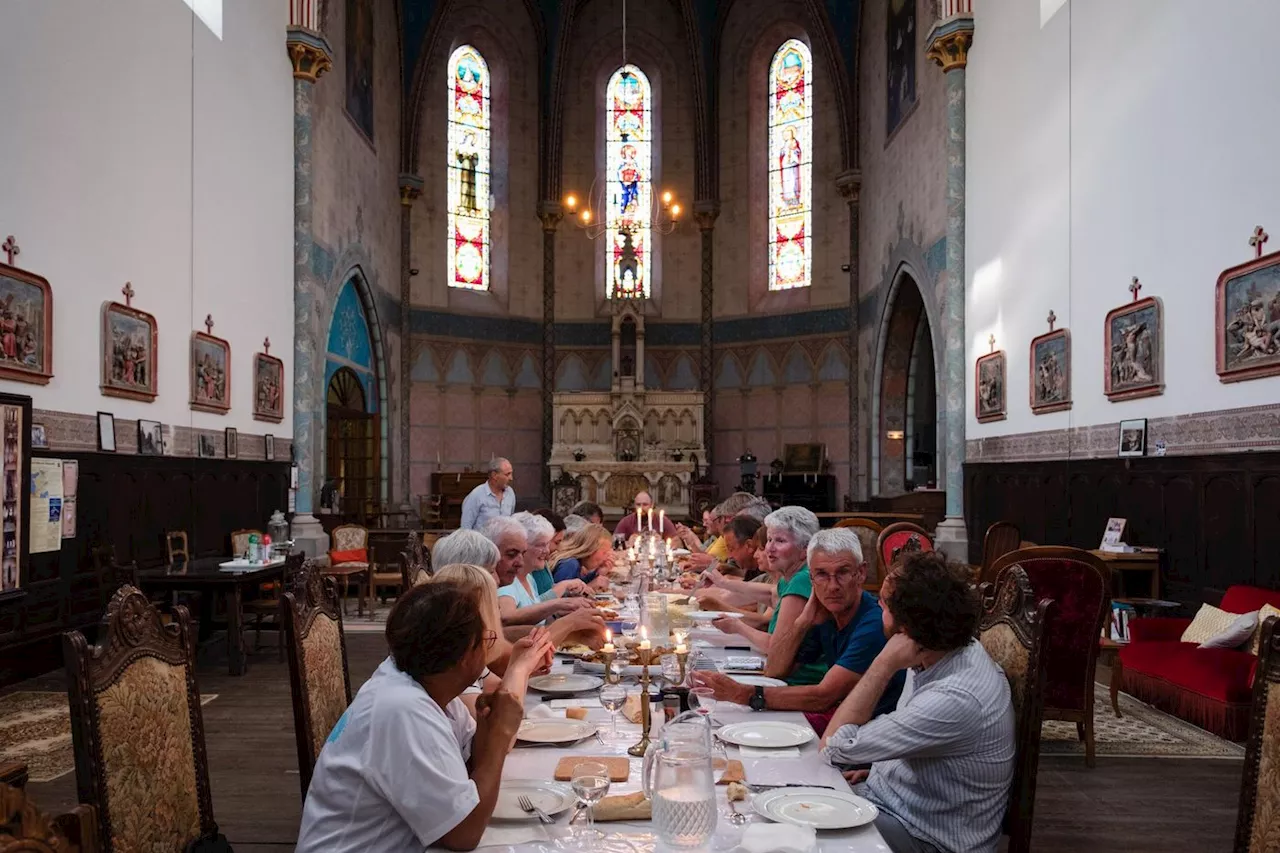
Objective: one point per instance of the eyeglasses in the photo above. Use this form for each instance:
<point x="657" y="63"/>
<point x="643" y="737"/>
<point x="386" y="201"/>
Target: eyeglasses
<point x="839" y="577"/>
<point x="490" y="639"/>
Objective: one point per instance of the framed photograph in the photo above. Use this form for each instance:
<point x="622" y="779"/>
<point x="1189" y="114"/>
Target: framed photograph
<point x="129" y="346"/>
<point x="26" y="326"/>
<point x="233" y="443"/>
<point x="990" y="387"/>
<point x="1133" y="437"/>
<point x="1248" y="311"/>
<point x="106" y="432"/>
<point x="205" y="448"/>
<point x="39" y="438"/>
<point x="268" y="385"/>
<point x="1114" y="532"/>
<point x="15" y="492"/>
<point x="269" y="447"/>
<point x="803" y="458"/>
<point x="1051" y="372"/>
<point x="210" y="373"/>
<point x="1133" y="351"/>
<point x="150" y="438"/>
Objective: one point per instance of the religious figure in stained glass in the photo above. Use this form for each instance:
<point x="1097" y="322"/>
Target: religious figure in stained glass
<point x="791" y="165"/>
<point x="629" y="160"/>
<point x="467" y="163"/>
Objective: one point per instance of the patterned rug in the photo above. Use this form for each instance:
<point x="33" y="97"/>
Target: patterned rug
<point x="353" y="624"/>
<point x="1142" y="732"/>
<point x="35" y="728"/>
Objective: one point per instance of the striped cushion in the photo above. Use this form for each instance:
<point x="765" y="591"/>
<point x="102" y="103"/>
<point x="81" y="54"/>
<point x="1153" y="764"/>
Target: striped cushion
<point x="1209" y="622"/>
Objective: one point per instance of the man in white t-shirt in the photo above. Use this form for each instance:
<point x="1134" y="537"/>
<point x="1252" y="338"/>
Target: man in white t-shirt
<point x="407" y="766"/>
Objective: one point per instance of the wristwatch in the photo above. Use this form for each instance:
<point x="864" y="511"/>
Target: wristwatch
<point x="757" y="699"/>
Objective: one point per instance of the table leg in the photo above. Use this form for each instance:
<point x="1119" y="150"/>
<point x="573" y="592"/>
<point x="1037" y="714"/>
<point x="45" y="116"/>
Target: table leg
<point x="1117" y="675"/>
<point x="237" y="659"/>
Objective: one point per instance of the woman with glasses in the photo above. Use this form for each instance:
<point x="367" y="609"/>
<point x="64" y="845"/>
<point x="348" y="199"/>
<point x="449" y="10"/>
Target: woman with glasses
<point x="521" y="602"/>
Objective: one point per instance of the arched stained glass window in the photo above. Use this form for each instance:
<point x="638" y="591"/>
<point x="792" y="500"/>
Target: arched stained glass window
<point x="629" y="177"/>
<point x="467" y="165"/>
<point x="790" y="167"/>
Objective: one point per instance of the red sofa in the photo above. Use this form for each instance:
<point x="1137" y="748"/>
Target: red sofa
<point x="1212" y="688"/>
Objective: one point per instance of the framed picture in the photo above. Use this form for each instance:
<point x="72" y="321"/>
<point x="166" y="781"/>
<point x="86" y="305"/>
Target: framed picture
<point x="268" y="385"/>
<point x="150" y="438"/>
<point x="205" y="447"/>
<point x="233" y="443"/>
<point x="39" y="438"/>
<point x="1114" y="532"/>
<point x="1133" y="437"/>
<point x="1133" y="351"/>
<point x="210" y="373"/>
<point x="26" y="326"/>
<point x="990" y="387"/>
<point x="106" y="432"/>
<point x="803" y="458"/>
<point x="1247" y="299"/>
<point x="269" y="447"/>
<point x="129" y="345"/>
<point x="15" y="492"/>
<point x="1051" y="372"/>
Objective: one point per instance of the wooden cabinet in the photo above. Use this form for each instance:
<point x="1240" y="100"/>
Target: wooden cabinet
<point x="453" y="488"/>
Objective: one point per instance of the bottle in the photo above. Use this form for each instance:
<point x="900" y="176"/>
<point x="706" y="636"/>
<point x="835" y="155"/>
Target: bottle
<point x="266" y="548"/>
<point x="253" y="548"/>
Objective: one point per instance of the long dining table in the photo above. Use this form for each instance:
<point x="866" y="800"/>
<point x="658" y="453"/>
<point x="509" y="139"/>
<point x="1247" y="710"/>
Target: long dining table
<point x="538" y="762"/>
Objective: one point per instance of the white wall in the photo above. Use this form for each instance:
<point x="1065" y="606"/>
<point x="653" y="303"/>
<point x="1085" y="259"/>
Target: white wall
<point x="102" y="185"/>
<point x="1121" y="139"/>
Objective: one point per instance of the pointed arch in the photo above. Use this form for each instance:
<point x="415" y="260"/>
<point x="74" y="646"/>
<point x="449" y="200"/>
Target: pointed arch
<point x="790" y="169"/>
<point x="797" y="369"/>
<point x="467" y="169"/>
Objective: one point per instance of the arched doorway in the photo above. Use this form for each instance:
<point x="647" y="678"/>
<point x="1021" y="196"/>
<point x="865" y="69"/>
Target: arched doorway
<point x="351" y="442"/>
<point x="906" y="446"/>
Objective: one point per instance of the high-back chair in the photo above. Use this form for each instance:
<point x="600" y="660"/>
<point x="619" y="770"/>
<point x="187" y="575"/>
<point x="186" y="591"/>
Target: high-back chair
<point x="137" y="728"/>
<point x="1080" y="586"/>
<point x="1011" y="631"/>
<point x="897" y="539"/>
<point x="318" y="673"/>
<point x="266" y="607"/>
<point x="177" y="549"/>
<point x="26" y="829"/>
<point x="869" y="535"/>
<point x="415" y="561"/>
<point x="349" y="561"/>
<point x="1258" y="825"/>
<point x="1002" y="537"/>
<point x="240" y="541"/>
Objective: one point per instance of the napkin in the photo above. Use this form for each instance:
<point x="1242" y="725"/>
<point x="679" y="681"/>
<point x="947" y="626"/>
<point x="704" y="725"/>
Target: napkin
<point x="763" y="752"/>
<point x="510" y="836"/>
<point x="561" y="704"/>
<point x="778" y="838"/>
<point x="540" y="712"/>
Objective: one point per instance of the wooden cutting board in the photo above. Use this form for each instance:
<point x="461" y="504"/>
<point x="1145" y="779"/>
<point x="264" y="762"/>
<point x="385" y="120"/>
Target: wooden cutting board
<point x="619" y="766"/>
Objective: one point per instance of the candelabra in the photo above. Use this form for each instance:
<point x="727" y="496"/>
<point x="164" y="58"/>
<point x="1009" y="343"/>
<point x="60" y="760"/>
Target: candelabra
<point x="644" y="657"/>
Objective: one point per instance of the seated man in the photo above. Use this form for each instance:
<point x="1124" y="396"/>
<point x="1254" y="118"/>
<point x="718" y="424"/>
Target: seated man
<point x="520" y="604"/>
<point x="631" y="523"/>
<point x="588" y="510"/>
<point x="739" y="541"/>
<point x="840" y="625"/>
<point x="941" y="764"/>
<point x="407" y="766"/>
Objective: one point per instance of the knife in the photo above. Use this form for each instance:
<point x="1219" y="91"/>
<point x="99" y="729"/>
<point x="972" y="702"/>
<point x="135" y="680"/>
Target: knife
<point x="752" y="787"/>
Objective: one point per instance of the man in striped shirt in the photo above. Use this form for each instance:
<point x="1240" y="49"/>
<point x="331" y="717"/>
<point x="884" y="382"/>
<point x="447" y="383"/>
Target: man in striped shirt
<point x="941" y="764"/>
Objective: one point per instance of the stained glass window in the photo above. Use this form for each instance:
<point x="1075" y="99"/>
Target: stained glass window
<point x="790" y="167"/>
<point x="629" y="187"/>
<point x="468" y="168"/>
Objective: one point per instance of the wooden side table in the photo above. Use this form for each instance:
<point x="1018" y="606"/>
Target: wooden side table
<point x="1136" y="561"/>
<point x="1109" y="652"/>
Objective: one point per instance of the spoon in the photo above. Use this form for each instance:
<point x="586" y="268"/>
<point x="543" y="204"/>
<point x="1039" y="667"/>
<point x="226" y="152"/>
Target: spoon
<point x="735" y="817"/>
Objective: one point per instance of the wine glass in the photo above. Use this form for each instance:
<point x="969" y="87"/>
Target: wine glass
<point x="590" y="781"/>
<point x="612" y="698"/>
<point x="703" y="699"/>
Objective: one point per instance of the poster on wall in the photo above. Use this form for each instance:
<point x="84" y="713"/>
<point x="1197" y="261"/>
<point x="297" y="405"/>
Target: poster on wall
<point x="70" y="484"/>
<point x="15" y="435"/>
<point x="46" y="505"/>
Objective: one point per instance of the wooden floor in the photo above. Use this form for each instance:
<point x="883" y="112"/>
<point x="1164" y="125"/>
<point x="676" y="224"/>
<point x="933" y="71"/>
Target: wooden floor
<point x="1132" y="805"/>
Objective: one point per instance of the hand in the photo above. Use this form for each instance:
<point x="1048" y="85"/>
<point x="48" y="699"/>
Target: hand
<point x="815" y="612"/>
<point x="688" y="538"/>
<point x="601" y="583"/>
<point x="584" y="620"/>
<point x="901" y="652"/>
<point x="712" y="574"/>
<point x="853" y="777"/>
<point x="701" y="560"/>
<point x="574" y="586"/>
<point x="728" y="624"/>
<point x="725" y="688"/>
<point x="498" y="716"/>
<point x="562" y="606"/>
<point x="533" y="651"/>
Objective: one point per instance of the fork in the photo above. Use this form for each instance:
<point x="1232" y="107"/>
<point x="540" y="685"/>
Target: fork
<point x="527" y="806"/>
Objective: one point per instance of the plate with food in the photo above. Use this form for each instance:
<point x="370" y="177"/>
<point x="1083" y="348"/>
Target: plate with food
<point x="575" y="650"/>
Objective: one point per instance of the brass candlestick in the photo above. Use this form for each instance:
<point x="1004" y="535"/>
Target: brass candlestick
<point x="644" y="657"/>
<point x="683" y="659"/>
<point x="610" y="677"/>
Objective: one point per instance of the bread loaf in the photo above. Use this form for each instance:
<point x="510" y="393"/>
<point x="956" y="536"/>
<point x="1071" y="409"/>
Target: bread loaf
<point x="625" y="807"/>
<point x="576" y="713"/>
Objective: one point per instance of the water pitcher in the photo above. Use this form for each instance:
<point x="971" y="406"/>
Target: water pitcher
<point x="679" y="778"/>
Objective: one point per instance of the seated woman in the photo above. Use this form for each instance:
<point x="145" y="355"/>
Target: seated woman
<point x="542" y="577"/>
<point x="407" y="766"/>
<point x="586" y="555"/>
<point x="520" y="601"/>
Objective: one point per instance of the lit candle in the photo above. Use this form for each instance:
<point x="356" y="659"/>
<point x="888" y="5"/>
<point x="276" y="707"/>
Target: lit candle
<point x="608" y="642"/>
<point x="662" y="514"/>
<point x="644" y="639"/>
<point x="651" y="550"/>
<point x="651" y="518"/>
<point x="639" y="520"/>
<point x="680" y="649"/>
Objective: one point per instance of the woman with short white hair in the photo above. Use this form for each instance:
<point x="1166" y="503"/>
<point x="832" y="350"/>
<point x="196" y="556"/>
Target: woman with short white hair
<point x="469" y="547"/>
<point x="519" y="601"/>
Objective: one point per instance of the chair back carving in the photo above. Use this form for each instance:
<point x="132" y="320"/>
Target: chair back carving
<point x="177" y="548"/>
<point x="240" y="541"/>
<point x="1080" y="586"/>
<point x="349" y="537"/>
<point x="1002" y="537"/>
<point x="869" y="535"/>
<point x="1011" y="631"/>
<point x="1258" y="824"/>
<point x="26" y="829"/>
<point x="415" y="561"/>
<point x="900" y="538"/>
<point x="137" y="728"/>
<point x="318" y="676"/>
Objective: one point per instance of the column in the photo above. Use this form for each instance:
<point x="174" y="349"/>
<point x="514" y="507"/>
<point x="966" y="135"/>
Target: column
<point x="311" y="58"/>
<point x="849" y="183"/>
<point x="549" y="212"/>
<point x="949" y="43"/>
<point x="410" y="191"/>
<point x="706" y="211"/>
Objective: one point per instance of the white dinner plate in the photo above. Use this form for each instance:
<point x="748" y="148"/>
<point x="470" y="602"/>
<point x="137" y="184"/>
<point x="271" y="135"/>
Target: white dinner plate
<point x="759" y="680"/>
<point x="630" y="670"/>
<point x="679" y="552"/>
<point x="712" y="615"/>
<point x="551" y="797"/>
<point x="553" y="730"/>
<point x="569" y="683"/>
<point x="819" y="808"/>
<point x="768" y="734"/>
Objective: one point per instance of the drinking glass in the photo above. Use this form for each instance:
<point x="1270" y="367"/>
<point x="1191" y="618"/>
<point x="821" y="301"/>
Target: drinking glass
<point x="612" y="698"/>
<point x="590" y="781"/>
<point x="702" y="700"/>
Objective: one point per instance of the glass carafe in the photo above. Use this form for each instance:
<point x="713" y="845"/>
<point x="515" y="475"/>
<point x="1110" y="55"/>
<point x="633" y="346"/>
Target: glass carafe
<point x="655" y="619"/>
<point x="680" y="779"/>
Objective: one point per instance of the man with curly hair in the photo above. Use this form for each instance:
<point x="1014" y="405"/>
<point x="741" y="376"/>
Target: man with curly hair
<point x="941" y="764"/>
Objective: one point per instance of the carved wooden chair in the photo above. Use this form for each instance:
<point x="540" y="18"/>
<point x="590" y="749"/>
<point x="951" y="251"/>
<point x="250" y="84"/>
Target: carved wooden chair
<point x="1002" y="537"/>
<point x="1011" y="631"/>
<point x="26" y="829"/>
<point x="138" y="730"/>
<point x="14" y="773"/>
<point x="267" y="606"/>
<point x="415" y="561"/>
<point x="897" y="539"/>
<point x="349" y="562"/>
<point x="177" y="549"/>
<point x="869" y="535"/>
<point x="1258" y="825"/>
<point x="1080" y="585"/>
<point x="240" y="541"/>
<point x="318" y="672"/>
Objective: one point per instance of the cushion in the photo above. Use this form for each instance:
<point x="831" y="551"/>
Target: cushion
<point x="1236" y="635"/>
<point x="355" y="555"/>
<point x="1225" y="675"/>
<point x="1246" y="599"/>
<point x="1265" y="613"/>
<point x="1209" y="622"/>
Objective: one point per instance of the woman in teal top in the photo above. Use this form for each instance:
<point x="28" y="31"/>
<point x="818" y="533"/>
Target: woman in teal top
<point x="522" y="602"/>
<point x="542" y="574"/>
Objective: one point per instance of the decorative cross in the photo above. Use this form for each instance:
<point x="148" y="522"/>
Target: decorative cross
<point x="127" y="290"/>
<point x="1134" y="287"/>
<point x="1259" y="237"/>
<point x="266" y="345"/>
<point x="11" y="249"/>
<point x="208" y="323"/>
<point x="1052" y="318"/>
<point x="992" y="340"/>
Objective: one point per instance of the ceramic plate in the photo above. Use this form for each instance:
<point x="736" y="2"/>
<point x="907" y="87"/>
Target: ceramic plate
<point x="632" y="669"/>
<point x="565" y="683"/>
<point x="712" y="615"/>
<point x="819" y="808"/>
<point x="551" y="797"/>
<point x="552" y="730"/>
<point x="759" y="680"/>
<point x="768" y="734"/>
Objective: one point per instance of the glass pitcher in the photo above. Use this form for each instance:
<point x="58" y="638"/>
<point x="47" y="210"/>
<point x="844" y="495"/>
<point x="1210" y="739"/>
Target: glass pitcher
<point x="679" y="778"/>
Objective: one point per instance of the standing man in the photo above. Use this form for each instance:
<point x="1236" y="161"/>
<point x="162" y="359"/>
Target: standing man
<point x="491" y="498"/>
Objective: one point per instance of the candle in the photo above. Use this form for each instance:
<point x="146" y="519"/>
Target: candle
<point x="662" y="514"/>
<point x="651" y="550"/>
<point x="639" y="520"/>
<point x="680" y="649"/>
<point x="608" y="642"/>
<point x="644" y="639"/>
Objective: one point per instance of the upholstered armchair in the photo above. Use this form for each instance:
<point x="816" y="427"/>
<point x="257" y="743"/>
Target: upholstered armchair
<point x="1002" y="537"/>
<point x="1011" y="631"/>
<point x="318" y="674"/>
<point x="1080" y="586"/>
<point x="1258" y="825"/>
<point x="897" y="539"/>
<point x="137" y="728"/>
<point x="868" y="534"/>
<point x="26" y="829"/>
<point x="349" y="561"/>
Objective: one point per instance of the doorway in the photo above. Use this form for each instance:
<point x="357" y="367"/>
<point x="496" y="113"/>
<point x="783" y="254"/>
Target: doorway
<point x="352" y="448"/>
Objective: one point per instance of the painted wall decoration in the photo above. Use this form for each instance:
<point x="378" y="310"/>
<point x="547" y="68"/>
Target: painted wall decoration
<point x="991" y="386"/>
<point x="1133" y="357"/>
<point x="359" y="65"/>
<point x="15" y="491"/>
<point x="1051" y="370"/>
<point x="467" y="167"/>
<point x="130" y="341"/>
<point x="26" y="324"/>
<point x="629" y="181"/>
<point x="350" y="344"/>
<point x="901" y="62"/>
<point x="790" y="166"/>
<point x="210" y="371"/>
<point x="268" y="385"/>
<point x="1248" y="316"/>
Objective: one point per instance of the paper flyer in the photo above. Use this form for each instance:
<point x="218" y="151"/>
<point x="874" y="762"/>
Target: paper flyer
<point x="46" y="505"/>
